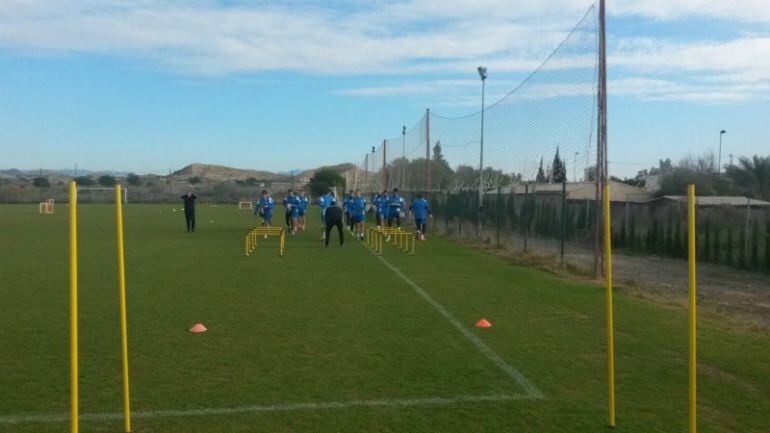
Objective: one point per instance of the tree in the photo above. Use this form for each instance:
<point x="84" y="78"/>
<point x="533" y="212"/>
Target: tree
<point x="41" y="182"/>
<point x="751" y="177"/>
<point x="107" y="180"/>
<point x="133" y="179"/>
<point x="194" y="180"/>
<point x="84" y="181"/>
<point x="558" y="169"/>
<point x="699" y="171"/>
<point x="324" y="179"/>
<point x="437" y="155"/>
<point x="541" y="174"/>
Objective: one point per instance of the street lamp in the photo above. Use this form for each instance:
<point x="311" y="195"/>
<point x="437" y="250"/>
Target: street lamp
<point x="483" y="75"/>
<point x="719" y="159"/>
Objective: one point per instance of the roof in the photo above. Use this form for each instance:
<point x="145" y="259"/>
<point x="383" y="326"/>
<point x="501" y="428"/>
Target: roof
<point x="722" y="200"/>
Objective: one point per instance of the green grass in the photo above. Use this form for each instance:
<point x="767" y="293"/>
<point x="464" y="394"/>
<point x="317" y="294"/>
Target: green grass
<point x="336" y="325"/>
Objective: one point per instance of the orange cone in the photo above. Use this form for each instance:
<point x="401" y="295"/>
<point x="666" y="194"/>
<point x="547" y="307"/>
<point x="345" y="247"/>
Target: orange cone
<point x="198" y="328"/>
<point x="483" y="323"/>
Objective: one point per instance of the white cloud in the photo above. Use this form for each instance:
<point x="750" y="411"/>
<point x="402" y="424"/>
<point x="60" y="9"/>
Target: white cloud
<point x="394" y="37"/>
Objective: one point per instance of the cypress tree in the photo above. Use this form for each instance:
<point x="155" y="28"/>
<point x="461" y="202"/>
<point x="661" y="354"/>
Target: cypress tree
<point x="706" y="252"/>
<point x="767" y="244"/>
<point x="755" y="247"/>
<point x="678" y="247"/>
<point x="729" y="247"/>
<point x="715" y="254"/>
<point x="632" y="232"/>
<point x="742" y="263"/>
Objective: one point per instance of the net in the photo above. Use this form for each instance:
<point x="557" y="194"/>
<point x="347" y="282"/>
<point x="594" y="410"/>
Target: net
<point x="542" y="131"/>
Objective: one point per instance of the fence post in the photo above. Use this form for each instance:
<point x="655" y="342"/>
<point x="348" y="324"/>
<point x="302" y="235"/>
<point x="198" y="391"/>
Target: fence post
<point x="748" y="220"/>
<point x="563" y="217"/>
<point x="526" y="214"/>
<point x="497" y="216"/>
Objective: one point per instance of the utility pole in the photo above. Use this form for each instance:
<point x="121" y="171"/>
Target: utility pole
<point x="403" y="156"/>
<point x="719" y="159"/>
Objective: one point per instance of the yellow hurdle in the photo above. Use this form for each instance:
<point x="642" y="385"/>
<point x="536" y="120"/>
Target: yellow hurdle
<point x="250" y="241"/>
<point x="403" y="240"/>
<point x="692" y="316"/>
<point x="608" y="278"/>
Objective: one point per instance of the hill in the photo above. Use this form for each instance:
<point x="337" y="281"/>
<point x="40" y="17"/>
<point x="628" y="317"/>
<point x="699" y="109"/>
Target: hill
<point x="221" y="173"/>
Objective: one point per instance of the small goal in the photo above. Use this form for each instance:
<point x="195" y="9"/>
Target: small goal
<point x="246" y="204"/>
<point x="46" y="207"/>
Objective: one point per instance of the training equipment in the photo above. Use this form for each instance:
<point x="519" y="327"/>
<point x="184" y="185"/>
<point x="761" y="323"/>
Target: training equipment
<point x="73" y="213"/>
<point x="376" y="237"/>
<point x="241" y="204"/>
<point x="198" y="328"/>
<point x="483" y="323"/>
<point x="46" y="207"/>
<point x="250" y="241"/>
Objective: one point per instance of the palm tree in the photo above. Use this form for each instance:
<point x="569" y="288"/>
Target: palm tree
<point x="751" y="176"/>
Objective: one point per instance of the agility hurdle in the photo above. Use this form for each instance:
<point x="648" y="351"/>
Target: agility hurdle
<point x="73" y="280"/>
<point x="46" y="207"/>
<point x="403" y="240"/>
<point x="250" y="241"/>
<point x="245" y="203"/>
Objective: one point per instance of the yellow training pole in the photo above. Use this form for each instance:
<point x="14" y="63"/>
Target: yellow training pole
<point x="693" y="421"/>
<point x="608" y="279"/>
<point x="122" y="288"/>
<point x="73" y="307"/>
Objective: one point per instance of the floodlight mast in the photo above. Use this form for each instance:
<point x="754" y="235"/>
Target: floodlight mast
<point x="483" y="75"/>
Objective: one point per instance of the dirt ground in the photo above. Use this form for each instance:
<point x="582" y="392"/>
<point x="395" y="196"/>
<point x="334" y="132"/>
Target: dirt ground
<point x="725" y="294"/>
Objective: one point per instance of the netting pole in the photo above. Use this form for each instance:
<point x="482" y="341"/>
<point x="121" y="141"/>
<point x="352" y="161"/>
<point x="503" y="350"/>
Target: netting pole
<point x="122" y="295"/>
<point x="608" y="296"/>
<point x="366" y="171"/>
<point x="601" y="147"/>
<point x="384" y="164"/>
<point x="428" y="179"/>
<point x="481" y="152"/>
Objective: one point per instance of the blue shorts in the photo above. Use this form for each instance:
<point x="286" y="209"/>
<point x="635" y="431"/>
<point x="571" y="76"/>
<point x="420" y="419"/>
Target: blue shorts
<point x="359" y="218"/>
<point x="420" y="220"/>
<point x="302" y="212"/>
<point x="268" y="217"/>
<point x="294" y="212"/>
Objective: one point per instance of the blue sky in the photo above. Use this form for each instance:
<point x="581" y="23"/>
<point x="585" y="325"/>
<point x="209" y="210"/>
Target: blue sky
<point x="148" y="86"/>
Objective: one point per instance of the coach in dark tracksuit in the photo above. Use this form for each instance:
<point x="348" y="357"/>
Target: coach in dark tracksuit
<point x="333" y="216"/>
<point x="189" y="210"/>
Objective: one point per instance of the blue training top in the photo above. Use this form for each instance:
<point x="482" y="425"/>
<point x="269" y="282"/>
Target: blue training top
<point x="358" y="206"/>
<point x="421" y="209"/>
<point x="267" y="204"/>
<point x="395" y="204"/>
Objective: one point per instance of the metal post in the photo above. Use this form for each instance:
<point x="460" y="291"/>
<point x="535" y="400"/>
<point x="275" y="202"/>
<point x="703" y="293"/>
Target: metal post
<point x="122" y="295"/>
<point x="74" y="413"/>
<point x="481" y="150"/>
<point x="526" y="214"/>
<point x="428" y="180"/>
<point x="608" y="296"/>
<point x="403" y="156"/>
<point x="601" y="148"/>
<point x="563" y="218"/>
<point x="692" y="316"/>
<point x="719" y="160"/>
<point x="384" y="164"/>
<point x="497" y="215"/>
<point x="746" y="236"/>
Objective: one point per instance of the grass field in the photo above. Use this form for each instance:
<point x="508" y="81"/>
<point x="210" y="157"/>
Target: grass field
<point x="337" y="340"/>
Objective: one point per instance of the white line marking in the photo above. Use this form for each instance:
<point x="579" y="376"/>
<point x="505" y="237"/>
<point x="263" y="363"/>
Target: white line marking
<point x="289" y="407"/>
<point x="530" y="389"/>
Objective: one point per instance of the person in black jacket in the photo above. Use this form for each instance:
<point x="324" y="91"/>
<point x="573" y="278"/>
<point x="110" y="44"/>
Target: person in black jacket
<point x="189" y="210"/>
<point x="333" y="217"/>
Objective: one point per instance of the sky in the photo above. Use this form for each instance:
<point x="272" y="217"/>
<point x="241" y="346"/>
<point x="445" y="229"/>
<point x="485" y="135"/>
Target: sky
<point x="149" y="86"/>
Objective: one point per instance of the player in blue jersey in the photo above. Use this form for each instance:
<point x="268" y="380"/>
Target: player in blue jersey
<point x="382" y="209"/>
<point x="377" y="205"/>
<point x="303" y="204"/>
<point x="291" y="204"/>
<point x="358" y="211"/>
<point x="324" y="202"/>
<point x="347" y="206"/>
<point x="420" y="208"/>
<point x="264" y="208"/>
<point x="395" y="206"/>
